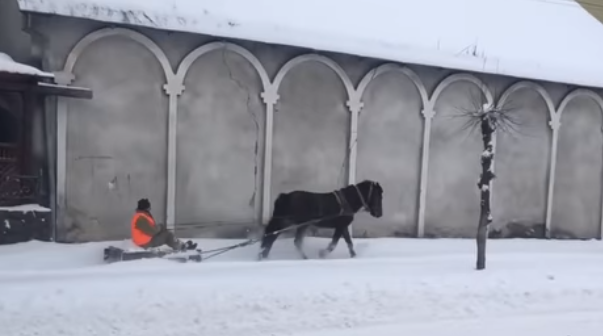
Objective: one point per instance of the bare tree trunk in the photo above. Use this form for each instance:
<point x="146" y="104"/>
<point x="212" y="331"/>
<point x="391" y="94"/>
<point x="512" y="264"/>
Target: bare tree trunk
<point x="482" y="237"/>
<point x="487" y="175"/>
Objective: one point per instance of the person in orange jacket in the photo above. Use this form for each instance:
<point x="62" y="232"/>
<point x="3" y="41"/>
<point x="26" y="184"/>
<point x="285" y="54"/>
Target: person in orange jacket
<point x="146" y="233"/>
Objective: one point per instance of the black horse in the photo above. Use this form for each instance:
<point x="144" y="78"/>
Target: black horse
<point x="334" y="210"/>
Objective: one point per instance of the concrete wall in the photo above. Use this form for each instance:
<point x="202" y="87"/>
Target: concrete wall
<point x="211" y="132"/>
<point x="389" y="150"/>
<point x="13" y="41"/>
<point x="116" y="143"/>
<point x="220" y="144"/>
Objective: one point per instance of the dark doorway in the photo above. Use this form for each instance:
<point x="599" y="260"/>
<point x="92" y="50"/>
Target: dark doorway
<point x="8" y="127"/>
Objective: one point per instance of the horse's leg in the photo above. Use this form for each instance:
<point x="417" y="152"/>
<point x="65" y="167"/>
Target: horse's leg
<point x="300" y="233"/>
<point x="348" y="241"/>
<point x="340" y="224"/>
<point x="267" y="242"/>
<point x="270" y="235"/>
<point x="333" y="244"/>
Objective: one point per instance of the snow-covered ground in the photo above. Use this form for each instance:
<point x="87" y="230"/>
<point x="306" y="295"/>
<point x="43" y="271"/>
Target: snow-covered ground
<point x="395" y="287"/>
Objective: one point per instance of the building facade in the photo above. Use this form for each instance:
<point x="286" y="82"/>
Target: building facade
<point x="24" y="171"/>
<point x="211" y="130"/>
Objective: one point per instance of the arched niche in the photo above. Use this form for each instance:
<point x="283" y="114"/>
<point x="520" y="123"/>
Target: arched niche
<point x="523" y="156"/>
<point x="389" y="143"/>
<point x="576" y="208"/>
<point x="452" y="198"/>
<point x="220" y="138"/>
<point x="110" y="135"/>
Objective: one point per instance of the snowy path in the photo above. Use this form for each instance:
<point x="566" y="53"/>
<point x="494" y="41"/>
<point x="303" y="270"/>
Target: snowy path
<point x="423" y="287"/>
<point x="562" y="324"/>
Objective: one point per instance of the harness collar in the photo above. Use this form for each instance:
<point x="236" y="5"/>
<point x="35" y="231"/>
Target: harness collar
<point x="344" y="205"/>
<point x="365" y="205"/>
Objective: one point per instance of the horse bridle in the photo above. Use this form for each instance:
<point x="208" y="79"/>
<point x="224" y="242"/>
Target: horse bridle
<point x="343" y="203"/>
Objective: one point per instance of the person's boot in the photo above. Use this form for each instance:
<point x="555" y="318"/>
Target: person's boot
<point x="189" y="245"/>
<point x="193" y="245"/>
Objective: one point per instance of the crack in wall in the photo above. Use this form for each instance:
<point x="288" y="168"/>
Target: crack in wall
<point x="255" y="120"/>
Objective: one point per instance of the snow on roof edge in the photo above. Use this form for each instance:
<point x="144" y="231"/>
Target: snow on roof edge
<point x="25" y="208"/>
<point x="8" y="65"/>
<point x="136" y="16"/>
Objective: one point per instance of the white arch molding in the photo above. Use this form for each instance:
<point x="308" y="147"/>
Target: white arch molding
<point x="429" y="113"/>
<point x="578" y="93"/>
<point x="562" y="106"/>
<point x="91" y="38"/>
<point x="278" y="79"/>
<point x="416" y="80"/>
<point x="553" y="123"/>
<point x="189" y="59"/>
<point x="530" y="86"/>
<point x="66" y="77"/>
<point x="461" y="77"/>
<point x="268" y="95"/>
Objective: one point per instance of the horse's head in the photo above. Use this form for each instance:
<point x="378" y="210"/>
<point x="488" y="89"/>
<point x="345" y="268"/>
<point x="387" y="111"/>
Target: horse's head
<point x="373" y="196"/>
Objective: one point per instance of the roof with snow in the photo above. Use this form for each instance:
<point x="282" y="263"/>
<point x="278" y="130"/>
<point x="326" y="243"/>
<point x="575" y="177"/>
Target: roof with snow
<point x="551" y="40"/>
<point x="8" y="65"/>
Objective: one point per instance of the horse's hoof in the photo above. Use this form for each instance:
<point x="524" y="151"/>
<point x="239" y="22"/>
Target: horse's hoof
<point x="352" y="254"/>
<point x="323" y="253"/>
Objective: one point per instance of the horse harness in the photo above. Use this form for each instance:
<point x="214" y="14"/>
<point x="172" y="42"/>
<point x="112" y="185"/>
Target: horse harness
<point x="344" y="205"/>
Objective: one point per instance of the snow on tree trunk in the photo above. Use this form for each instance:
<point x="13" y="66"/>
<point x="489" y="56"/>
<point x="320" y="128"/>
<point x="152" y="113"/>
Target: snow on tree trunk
<point x="488" y="126"/>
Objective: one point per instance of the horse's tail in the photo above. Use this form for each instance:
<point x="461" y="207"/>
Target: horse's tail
<point x="280" y="205"/>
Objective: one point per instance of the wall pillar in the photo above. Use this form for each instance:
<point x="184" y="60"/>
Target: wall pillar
<point x="355" y="106"/>
<point x="555" y="124"/>
<point x="428" y="113"/>
<point x="61" y="78"/>
<point x="270" y="97"/>
<point x="173" y="89"/>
